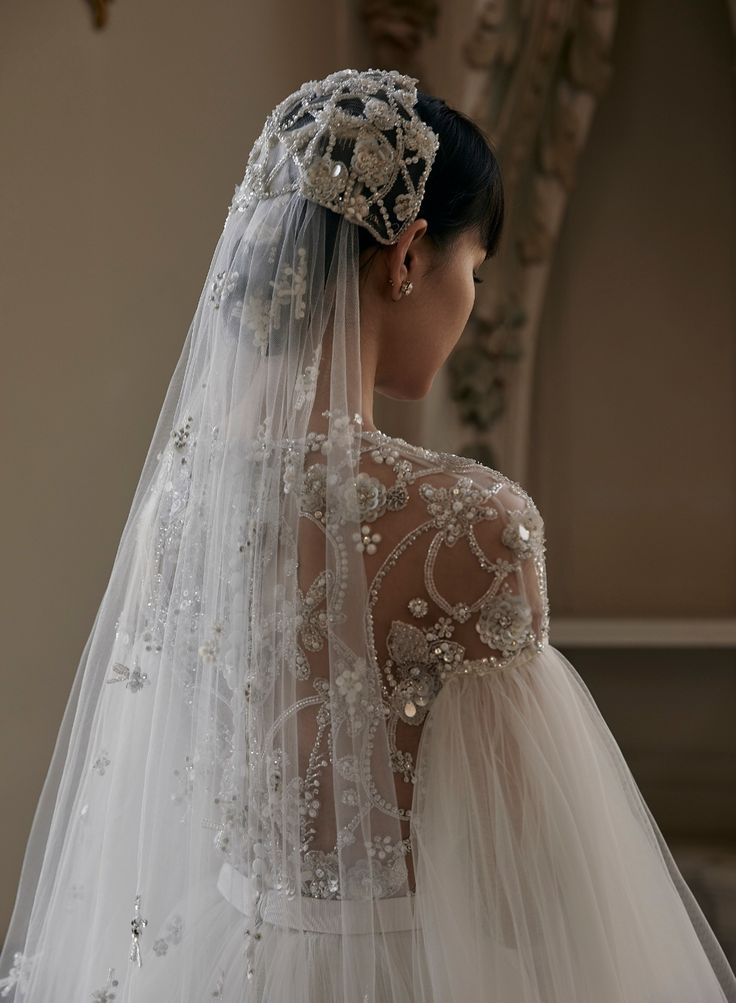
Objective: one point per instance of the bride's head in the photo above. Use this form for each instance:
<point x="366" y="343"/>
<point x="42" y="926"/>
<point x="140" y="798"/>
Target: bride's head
<point x="408" y="336"/>
<point x="372" y="206"/>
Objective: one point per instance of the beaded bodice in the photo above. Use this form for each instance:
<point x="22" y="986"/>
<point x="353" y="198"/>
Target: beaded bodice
<point x="454" y="555"/>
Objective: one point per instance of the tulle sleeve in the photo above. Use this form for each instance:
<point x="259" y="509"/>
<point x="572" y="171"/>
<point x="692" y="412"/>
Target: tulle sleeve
<point x="541" y="875"/>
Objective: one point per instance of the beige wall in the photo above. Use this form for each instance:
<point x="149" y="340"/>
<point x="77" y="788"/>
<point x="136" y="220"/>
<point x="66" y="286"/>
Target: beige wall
<point x="634" y="431"/>
<point x="633" y="438"/>
<point x="120" y="153"/>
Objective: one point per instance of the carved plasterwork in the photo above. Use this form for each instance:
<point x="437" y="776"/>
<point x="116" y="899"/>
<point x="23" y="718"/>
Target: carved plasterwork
<point x="534" y="75"/>
<point x="396" y="30"/>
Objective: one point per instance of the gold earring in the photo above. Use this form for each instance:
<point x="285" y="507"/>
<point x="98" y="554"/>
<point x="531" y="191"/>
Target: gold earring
<point x="406" y="287"/>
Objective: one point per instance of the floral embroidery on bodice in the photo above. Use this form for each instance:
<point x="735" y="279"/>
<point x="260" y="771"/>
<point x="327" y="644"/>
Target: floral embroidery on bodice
<point x="426" y="522"/>
<point x="454" y="558"/>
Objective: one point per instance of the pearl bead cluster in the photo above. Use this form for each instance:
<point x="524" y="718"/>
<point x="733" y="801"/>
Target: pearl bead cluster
<point x="378" y="183"/>
<point x="181" y="435"/>
<point x="366" y="540"/>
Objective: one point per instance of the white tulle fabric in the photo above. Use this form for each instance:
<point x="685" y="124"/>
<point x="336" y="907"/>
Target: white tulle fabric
<point x="323" y="656"/>
<point x="541" y="874"/>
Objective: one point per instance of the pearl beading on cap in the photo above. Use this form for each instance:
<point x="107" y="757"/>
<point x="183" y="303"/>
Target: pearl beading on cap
<point x="351" y="142"/>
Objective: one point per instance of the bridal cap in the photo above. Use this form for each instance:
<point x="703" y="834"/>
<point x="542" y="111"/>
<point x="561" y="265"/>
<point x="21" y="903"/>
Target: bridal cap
<point x="353" y="143"/>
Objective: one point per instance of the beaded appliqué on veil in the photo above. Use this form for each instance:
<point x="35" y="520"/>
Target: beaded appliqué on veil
<point x="422" y="656"/>
<point x="421" y="652"/>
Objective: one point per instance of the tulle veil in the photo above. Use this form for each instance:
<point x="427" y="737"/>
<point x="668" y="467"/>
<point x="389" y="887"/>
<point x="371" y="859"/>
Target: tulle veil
<point x="178" y="766"/>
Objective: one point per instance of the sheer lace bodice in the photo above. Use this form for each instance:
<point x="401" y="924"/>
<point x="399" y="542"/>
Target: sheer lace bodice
<point x="454" y="554"/>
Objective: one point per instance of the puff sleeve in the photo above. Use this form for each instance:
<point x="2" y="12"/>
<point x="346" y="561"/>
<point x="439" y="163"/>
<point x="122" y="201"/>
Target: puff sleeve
<point x="541" y="876"/>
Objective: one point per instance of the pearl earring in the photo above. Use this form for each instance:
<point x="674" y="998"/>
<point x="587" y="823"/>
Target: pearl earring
<point x="405" y="288"/>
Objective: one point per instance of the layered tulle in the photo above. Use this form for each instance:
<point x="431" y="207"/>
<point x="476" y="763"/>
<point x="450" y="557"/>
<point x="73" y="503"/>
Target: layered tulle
<point x="541" y="875"/>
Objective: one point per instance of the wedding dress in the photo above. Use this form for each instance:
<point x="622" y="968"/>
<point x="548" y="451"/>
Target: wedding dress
<point x="319" y="748"/>
<point x="536" y="871"/>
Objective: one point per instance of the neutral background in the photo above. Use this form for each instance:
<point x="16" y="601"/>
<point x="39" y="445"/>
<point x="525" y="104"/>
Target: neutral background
<point x="121" y="150"/>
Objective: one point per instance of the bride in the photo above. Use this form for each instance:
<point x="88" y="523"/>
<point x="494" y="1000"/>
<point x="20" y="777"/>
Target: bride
<point x="319" y="748"/>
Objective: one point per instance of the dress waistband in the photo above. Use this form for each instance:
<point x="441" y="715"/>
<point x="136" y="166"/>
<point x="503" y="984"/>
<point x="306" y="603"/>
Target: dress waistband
<point x="382" y="915"/>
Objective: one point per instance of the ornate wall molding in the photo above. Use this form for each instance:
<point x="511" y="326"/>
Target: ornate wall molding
<point x="396" y="31"/>
<point x="534" y="75"/>
<point x="531" y="75"/>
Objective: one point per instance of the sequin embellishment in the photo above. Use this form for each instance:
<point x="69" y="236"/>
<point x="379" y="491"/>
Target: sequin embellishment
<point x="455" y="510"/>
<point x="19" y="975"/>
<point x="223" y="283"/>
<point x="101" y="762"/>
<point x="136" y="926"/>
<point x="504" y="623"/>
<point x="181" y="435"/>
<point x="353" y="143"/>
<point x="524" y="532"/>
<point x="134" y="678"/>
<point x="172" y="936"/>
<point x="414" y="668"/>
<point x="418" y="607"/>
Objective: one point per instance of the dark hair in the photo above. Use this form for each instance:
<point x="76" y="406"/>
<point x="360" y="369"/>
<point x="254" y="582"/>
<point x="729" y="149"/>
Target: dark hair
<point x="464" y="189"/>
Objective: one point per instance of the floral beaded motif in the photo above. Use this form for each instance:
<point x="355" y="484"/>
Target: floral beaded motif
<point x="455" y="509"/>
<point x="456" y="503"/>
<point x="134" y="678"/>
<point x="352" y="143"/>
<point x="505" y="623"/>
<point x="106" y="994"/>
<point x="222" y="284"/>
<point x="19" y="975"/>
<point x="416" y="511"/>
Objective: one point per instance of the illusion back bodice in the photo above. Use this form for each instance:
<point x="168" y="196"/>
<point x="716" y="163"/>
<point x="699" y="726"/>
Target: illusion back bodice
<point x="454" y="556"/>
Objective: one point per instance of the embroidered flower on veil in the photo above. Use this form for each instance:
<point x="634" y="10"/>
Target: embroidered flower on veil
<point x="20" y="974"/>
<point x="258" y="319"/>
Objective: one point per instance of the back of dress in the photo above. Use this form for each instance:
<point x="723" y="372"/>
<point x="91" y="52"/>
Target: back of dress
<point x="526" y="865"/>
<point x="454" y="559"/>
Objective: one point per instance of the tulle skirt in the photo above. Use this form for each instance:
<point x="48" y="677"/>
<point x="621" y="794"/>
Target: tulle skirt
<point x="541" y="877"/>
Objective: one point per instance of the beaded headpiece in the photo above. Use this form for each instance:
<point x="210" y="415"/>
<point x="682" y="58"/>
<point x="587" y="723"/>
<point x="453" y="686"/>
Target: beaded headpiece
<point x="351" y="142"/>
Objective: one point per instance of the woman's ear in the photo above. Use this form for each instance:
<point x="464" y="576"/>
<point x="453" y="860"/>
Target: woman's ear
<point x="400" y="257"/>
